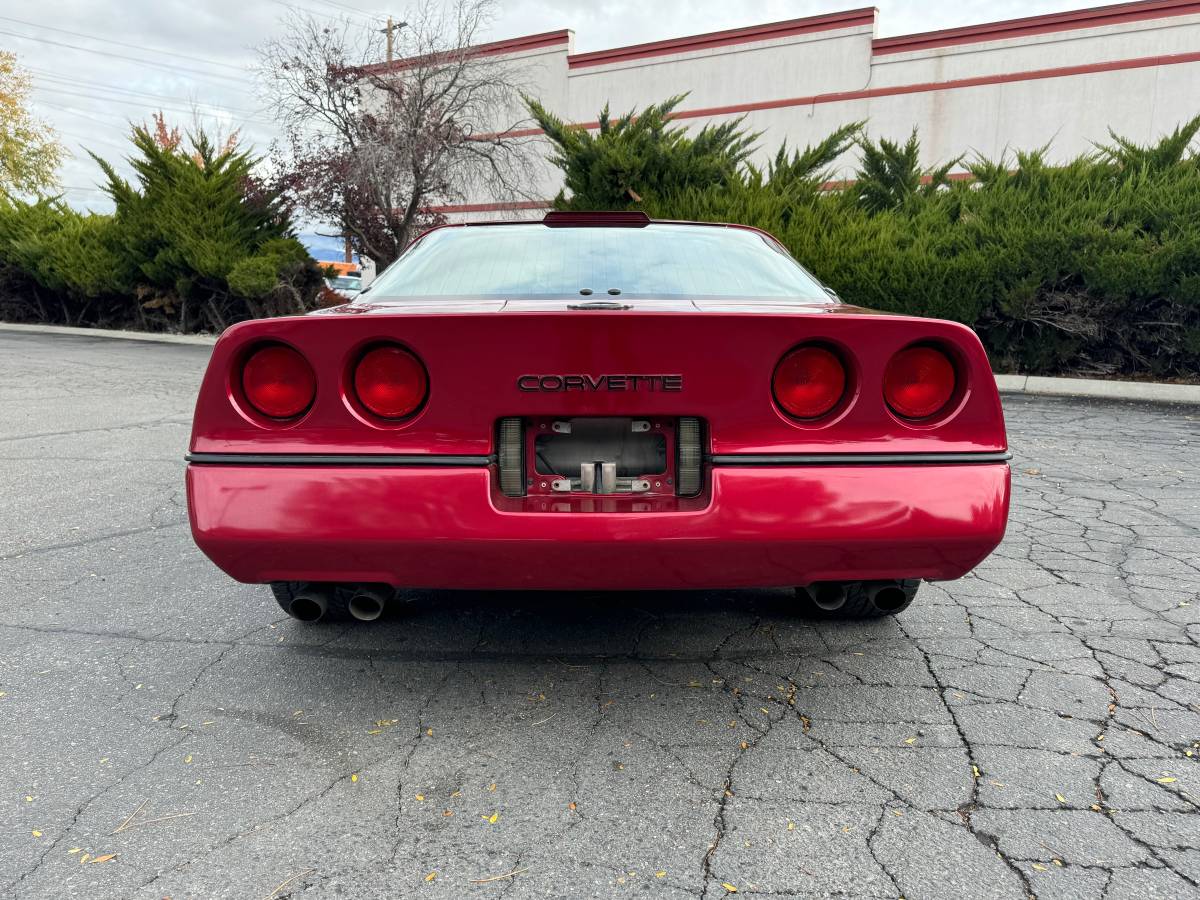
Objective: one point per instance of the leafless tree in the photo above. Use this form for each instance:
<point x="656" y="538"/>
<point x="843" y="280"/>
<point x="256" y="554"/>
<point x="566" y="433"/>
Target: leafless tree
<point x="373" y="147"/>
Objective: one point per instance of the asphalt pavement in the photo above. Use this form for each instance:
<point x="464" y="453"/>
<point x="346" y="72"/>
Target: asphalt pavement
<point x="1029" y="730"/>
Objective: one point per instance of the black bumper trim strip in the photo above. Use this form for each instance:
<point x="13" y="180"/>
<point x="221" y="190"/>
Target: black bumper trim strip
<point x="336" y="459"/>
<point x="854" y="459"/>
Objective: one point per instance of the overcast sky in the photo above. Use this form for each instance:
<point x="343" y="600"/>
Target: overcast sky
<point x="97" y="65"/>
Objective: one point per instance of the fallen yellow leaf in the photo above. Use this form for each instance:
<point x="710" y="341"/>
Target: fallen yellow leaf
<point x="791" y="826"/>
<point x="431" y="876"/>
<point x="1060" y="798"/>
<point x="660" y="874"/>
<point x="729" y="887"/>
<point x="910" y="741"/>
<point x="492" y="786"/>
<point x="428" y="732"/>
<point x="1039" y="867"/>
<point x="354" y="777"/>
<point x="36" y="833"/>
<point x="492" y="819"/>
<point x="571" y="806"/>
<point x="74" y="850"/>
<point x="28" y="799"/>
<point x="105" y="858"/>
<point x="975" y="771"/>
<point x="1057" y="862"/>
<point x="1167" y="780"/>
<point x="421" y="797"/>
<point x="84" y="858"/>
<point x="188" y="758"/>
<point x="374" y="731"/>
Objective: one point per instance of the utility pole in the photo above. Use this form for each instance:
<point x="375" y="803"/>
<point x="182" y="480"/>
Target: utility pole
<point x="388" y="31"/>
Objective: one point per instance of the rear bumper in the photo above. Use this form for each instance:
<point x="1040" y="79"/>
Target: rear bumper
<point x="446" y="527"/>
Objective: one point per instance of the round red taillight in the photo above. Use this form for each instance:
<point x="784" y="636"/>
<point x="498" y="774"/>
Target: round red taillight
<point x="278" y="382"/>
<point x="390" y="382"/>
<point x="809" y="382"/>
<point x="919" y="382"/>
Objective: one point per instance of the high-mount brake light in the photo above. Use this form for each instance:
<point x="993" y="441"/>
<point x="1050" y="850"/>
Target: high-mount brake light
<point x="919" y="382"/>
<point x="390" y="382"/>
<point x="278" y="382"/>
<point x="809" y="382"/>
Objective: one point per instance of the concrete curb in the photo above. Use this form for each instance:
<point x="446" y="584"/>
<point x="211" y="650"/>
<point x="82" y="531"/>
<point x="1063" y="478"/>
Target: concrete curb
<point x="204" y="340"/>
<point x="1035" y="385"/>
<point x="1099" y="389"/>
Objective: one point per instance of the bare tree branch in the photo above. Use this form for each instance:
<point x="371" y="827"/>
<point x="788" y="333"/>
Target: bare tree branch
<point x="372" y="147"/>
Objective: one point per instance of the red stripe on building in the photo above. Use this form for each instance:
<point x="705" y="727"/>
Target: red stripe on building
<point x="505" y="206"/>
<point x="1073" y="20"/>
<point x="919" y="88"/>
<point x="838" y="185"/>
<point x="494" y="48"/>
<point x="954" y="84"/>
<point x="849" y="19"/>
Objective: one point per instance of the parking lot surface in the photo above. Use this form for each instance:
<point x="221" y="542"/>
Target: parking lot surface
<point x="1029" y="730"/>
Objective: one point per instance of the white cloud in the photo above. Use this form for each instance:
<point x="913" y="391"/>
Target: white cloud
<point x="207" y="55"/>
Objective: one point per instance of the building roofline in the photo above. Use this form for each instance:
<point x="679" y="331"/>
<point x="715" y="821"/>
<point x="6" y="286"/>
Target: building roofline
<point x="1006" y="29"/>
<point x="1071" y="20"/>
<point x="507" y="46"/>
<point x="691" y="43"/>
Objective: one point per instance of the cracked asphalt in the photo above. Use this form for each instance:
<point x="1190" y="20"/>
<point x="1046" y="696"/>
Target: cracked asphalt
<point x="1029" y="730"/>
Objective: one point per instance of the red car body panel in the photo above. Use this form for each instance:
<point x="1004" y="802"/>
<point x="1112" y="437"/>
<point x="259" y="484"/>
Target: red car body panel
<point x="860" y="494"/>
<point x="759" y="527"/>
<point x="474" y="358"/>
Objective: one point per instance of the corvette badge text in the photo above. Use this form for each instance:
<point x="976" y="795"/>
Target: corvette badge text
<point x="600" y="383"/>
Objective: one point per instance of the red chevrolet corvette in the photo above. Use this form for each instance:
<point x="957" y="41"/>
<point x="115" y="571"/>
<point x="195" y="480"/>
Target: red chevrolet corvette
<point x="597" y="401"/>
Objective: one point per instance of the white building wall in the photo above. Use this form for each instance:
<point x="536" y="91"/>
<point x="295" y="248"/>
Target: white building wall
<point x="1060" y="80"/>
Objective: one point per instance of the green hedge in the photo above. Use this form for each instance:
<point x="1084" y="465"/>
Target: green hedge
<point x="1079" y="268"/>
<point x="194" y="244"/>
<point x="1090" y="267"/>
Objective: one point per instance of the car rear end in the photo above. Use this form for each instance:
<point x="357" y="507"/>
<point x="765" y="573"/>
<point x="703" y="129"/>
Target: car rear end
<point x="563" y="442"/>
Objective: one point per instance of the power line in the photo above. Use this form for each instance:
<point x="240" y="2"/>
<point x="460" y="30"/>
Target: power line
<point x="144" y="62"/>
<point x="129" y="92"/>
<point x="80" y="138"/>
<point x="361" y="12"/>
<point x="313" y="12"/>
<point x="92" y="37"/>
<point x="142" y="104"/>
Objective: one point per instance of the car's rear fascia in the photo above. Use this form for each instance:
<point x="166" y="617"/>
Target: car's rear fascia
<point x="475" y="359"/>
<point x="337" y="496"/>
<point x="446" y="527"/>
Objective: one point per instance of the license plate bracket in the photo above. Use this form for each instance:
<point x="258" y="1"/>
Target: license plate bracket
<point x="601" y="455"/>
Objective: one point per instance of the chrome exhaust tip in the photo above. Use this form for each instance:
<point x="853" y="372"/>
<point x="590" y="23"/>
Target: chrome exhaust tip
<point x="827" y="595"/>
<point x="887" y="596"/>
<point x="310" y="604"/>
<point x="368" y="602"/>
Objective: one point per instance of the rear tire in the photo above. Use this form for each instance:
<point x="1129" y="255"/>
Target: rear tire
<point x="858" y="603"/>
<point x="337" y="609"/>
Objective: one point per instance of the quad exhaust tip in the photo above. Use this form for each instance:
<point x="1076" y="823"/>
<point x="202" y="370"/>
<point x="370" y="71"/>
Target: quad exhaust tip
<point x="311" y="603"/>
<point x="368" y="602"/>
<point x="828" y="595"/>
<point x="887" y="596"/>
